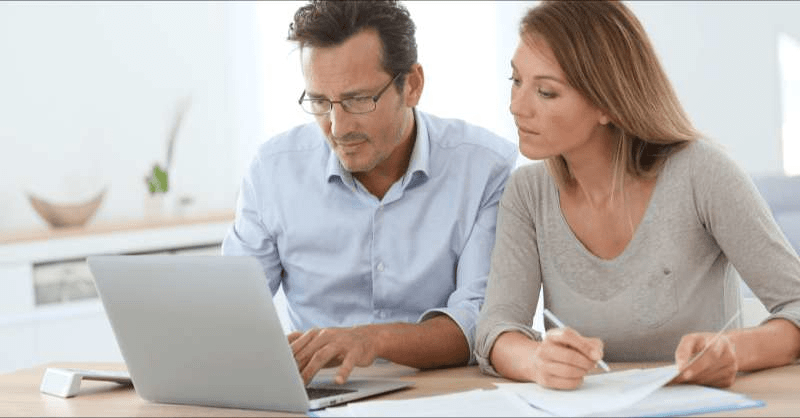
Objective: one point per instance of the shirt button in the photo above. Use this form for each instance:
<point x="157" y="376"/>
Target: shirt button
<point x="380" y="266"/>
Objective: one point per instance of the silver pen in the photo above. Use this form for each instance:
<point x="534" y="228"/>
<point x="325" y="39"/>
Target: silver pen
<point x="560" y="324"/>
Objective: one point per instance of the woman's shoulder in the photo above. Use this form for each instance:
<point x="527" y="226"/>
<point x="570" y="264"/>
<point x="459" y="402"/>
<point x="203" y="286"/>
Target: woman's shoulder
<point x="705" y="153"/>
<point x="705" y="165"/>
<point x="532" y="175"/>
<point x="530" y="183"/>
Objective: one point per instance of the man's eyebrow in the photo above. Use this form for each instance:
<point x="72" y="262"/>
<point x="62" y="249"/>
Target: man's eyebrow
<point x="365" y="92"/>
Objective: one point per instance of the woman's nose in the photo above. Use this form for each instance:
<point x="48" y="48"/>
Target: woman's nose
<point x="521" y="104"/>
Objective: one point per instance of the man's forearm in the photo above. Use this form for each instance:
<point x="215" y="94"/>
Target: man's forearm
<point x="436" y="342"/>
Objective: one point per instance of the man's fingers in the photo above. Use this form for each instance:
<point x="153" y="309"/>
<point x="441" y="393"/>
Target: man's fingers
<point x="305" y="346"/>
<point x="345" y="369"/>
<point x="301" y="341"/>
<point x="319" y="360"/>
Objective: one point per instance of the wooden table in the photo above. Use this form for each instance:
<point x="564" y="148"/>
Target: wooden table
<point x="20" y="396"/>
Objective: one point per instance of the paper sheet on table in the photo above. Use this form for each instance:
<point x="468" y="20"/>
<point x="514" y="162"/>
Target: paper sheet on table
<point x="599" y="393"/>
<point x="473" y="403"/>
<point x="685" y="400"/>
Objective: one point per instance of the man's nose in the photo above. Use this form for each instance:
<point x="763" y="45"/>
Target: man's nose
<point x="340" y="120"/>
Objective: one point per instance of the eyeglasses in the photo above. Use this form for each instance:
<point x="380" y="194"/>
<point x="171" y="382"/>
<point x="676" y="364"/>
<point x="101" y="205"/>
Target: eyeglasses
<point x="356" y="105"/>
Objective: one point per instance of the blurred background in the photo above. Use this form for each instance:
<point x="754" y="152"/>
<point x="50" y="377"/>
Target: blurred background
<point x="89" y="90"/>
<point x="91" y="93"/>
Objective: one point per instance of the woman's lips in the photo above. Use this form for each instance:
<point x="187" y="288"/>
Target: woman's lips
<point x="527" y="131"/>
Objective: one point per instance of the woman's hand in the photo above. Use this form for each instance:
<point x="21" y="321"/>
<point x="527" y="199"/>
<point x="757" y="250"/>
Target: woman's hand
<point x="560" y="361"/>
<point x="564" y="357"/>
<point x="716" y="366"/>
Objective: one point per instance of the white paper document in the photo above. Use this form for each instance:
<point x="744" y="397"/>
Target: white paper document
<point x="636" y="392"/>
<point x="685" y="400"/>
<point x="473" y="403"/>
<point x="599" y="393"/>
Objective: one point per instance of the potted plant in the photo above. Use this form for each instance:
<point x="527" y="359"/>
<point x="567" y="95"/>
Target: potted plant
<point x="157" y="180"/>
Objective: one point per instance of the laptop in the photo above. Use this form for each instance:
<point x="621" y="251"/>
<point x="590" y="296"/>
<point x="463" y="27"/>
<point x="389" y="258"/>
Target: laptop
<point x="202" y="330"/>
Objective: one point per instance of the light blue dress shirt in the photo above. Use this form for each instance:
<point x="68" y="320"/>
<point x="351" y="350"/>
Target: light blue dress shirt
<point x="346" y="258"/>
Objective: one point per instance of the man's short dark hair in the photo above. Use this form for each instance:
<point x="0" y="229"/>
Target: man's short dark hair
<point x="325" y="23"/>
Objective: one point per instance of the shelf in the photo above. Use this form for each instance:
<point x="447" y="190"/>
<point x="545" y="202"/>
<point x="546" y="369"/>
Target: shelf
<point x="46" y="246"/>
<point x="48" y="310"/>
<point x="39" y="234"/>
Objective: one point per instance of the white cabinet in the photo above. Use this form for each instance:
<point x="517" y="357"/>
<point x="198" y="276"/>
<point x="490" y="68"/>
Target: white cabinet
<point x="48" y="306"/>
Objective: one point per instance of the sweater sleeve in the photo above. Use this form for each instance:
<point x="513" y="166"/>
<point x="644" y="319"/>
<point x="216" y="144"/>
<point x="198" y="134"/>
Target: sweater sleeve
<point x="739" y="219"/>
<point x="515" y="276"/>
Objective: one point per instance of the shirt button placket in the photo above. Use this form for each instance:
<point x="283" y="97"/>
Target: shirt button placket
<point x="377" y="303"/>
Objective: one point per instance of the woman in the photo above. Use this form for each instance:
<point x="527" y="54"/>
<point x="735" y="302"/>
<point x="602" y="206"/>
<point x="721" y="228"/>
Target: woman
<point x="633" y="224"/>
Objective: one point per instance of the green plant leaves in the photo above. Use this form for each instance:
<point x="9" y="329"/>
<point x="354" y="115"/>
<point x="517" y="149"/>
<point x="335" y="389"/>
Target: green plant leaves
<point x="157" y="182"/>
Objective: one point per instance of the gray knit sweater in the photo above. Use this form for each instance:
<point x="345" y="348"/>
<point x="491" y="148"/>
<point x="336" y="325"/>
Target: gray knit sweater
<point x="676" y="276"/>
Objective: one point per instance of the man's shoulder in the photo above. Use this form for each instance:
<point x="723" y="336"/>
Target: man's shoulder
<point x="452" y="133"/>
<point x="295" y="142"/>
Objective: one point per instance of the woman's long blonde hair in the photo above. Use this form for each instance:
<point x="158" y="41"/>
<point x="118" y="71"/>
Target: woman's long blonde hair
<point x="606" y="56"/>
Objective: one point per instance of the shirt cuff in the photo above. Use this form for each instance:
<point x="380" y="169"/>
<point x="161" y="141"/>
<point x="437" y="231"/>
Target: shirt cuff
<point x="465" y="319"/>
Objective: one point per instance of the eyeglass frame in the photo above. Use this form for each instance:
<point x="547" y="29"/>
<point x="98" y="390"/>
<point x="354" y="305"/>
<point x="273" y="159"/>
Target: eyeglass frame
<point x="374" y="98"/>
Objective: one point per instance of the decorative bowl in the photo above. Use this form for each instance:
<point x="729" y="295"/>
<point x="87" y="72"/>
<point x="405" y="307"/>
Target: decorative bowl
<point x="66" y="215"/>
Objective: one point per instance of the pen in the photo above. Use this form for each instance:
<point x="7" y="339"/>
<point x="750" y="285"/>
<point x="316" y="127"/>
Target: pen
<point x="710" y="342"/>
<point x="560" y="324"/>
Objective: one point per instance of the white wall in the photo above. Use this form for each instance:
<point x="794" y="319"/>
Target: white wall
<point x="89" y="92"/>
<point x="89" y="89"/>
<point x="722" y="59"/>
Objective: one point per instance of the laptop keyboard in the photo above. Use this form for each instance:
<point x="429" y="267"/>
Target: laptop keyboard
<point x="316" y="393"/>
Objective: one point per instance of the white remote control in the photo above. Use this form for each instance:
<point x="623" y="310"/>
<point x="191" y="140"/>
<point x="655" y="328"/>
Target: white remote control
<point x="67" y="382"/>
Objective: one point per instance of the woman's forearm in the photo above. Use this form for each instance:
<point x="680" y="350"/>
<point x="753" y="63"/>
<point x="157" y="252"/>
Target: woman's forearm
<point x="510" y="355"/>
<point x="776" y="343"/>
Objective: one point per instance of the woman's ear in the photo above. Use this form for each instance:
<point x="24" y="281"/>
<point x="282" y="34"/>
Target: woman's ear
<point x="415" y="81"/>
<point x="604" y="119"/>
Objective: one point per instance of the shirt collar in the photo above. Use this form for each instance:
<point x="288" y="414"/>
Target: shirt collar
<point x="419" y="162"/>
<point x="420" y="155"/>
<point x="335" y="168"/>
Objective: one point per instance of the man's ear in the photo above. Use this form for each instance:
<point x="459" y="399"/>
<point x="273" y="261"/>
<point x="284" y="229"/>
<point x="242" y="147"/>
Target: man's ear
<point x="415" y="81"/>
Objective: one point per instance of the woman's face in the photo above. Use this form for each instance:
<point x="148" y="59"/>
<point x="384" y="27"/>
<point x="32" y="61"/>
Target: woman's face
<point x="552" y="118"/>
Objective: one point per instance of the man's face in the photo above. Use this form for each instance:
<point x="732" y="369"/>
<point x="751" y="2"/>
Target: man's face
<point x="362" y="142"/>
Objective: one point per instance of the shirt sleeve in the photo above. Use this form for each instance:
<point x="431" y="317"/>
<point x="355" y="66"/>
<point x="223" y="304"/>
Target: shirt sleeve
<point x="515" y="278"/>
<point x="739" y="219"/>
<point x="472" y="268"/>
<point x="248" y="236"/>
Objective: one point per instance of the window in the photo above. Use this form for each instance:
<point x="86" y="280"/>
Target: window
<point x="789" y="61"/>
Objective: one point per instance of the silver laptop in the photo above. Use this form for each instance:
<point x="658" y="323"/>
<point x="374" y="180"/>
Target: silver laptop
<point x="204" y="331"/>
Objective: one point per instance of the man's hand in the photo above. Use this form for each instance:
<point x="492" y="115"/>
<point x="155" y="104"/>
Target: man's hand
<point x="717" y="366"/>
<point x="331" y="347"/>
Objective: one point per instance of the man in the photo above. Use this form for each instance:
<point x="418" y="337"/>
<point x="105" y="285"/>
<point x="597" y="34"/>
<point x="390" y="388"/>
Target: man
<point x="379" y="220"/>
